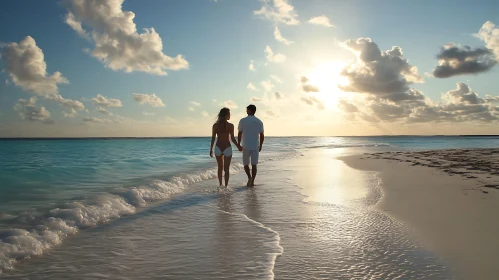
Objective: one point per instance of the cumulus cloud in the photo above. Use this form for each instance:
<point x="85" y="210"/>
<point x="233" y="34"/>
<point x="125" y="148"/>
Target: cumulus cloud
<point x="255" y="99"/>
<point x="151" y="99"/>
<point x="277" y="58"/>
<point x="28" y="110"/>
<point x="103" y="110"/>
<point x="278" y="11"/>
<point x="279" y="38"/>
<point x="94" y="120"/>
<point x="118" y="44"/>
<point x="489" y="33"/>
<point x="27" y="69"/>
<point x="382" y="81"/>
<point x="76" y="26"/>
<point x="267" y="85"/>
<point x="252" y="66"/>
<point x="308" y="87"/>
<point x="103" y="101"/>
<point x="455" y="60"/>
<point x="321" y="20"/>
<point x="491" y="99"/>
<point x="193" y="106"/>
<point x="230" y="104"/>
<point x="463" y="94"/>
<point x="252" y="87"/>
<point x="384" y="74"/>
<point x="71" y="114"/>
<point x="270" y="113"/>
<point x="148" y="114"/>
<point x="311" y="100"/>
<point x="278" y="95"/>
<point x="347" y="106"/>
<point x="276" y="79"/>
<point x="457" y="105"/>
<point x="205" y="114"/>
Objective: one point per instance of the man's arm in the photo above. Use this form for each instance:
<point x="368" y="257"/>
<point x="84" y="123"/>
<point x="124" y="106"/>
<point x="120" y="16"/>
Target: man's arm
<point x="240" y="133"/>
<point x="262" y="138"/>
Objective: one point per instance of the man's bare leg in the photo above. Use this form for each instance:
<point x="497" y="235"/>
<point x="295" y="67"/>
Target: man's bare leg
<point x="247" y="170"/>
<point x="253" y="174"/>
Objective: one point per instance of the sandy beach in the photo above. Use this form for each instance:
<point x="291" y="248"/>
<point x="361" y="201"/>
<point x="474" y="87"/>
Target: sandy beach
<point x="450" y="199"/>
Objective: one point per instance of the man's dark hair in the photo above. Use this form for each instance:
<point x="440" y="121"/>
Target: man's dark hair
<point x="252" y="108"/>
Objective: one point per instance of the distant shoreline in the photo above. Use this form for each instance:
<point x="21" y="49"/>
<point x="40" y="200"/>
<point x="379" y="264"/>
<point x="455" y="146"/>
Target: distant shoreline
<point x="195" y="137"/>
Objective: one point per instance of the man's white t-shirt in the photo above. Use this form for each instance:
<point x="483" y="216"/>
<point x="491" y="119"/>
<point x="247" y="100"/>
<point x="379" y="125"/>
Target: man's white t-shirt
<point x="251" y="127"/>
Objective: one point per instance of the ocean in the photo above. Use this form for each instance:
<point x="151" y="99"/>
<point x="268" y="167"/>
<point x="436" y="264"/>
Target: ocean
<point x="151" y="208"/>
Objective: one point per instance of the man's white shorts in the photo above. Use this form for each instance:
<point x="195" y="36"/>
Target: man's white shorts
<point x="253" y="154"/>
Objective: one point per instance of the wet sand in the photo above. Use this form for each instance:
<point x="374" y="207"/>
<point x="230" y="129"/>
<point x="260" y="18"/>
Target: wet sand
<point x="450" y="198"/>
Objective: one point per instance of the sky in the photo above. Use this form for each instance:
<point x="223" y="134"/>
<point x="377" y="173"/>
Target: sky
<point x="104" y="68"/>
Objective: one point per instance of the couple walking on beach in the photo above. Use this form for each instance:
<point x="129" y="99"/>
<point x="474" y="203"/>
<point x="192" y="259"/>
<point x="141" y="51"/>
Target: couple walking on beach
<point x="250" y="131"/>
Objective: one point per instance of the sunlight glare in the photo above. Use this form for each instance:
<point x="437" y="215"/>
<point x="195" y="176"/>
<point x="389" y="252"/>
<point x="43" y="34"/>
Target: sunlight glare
<point x="327" y="77"/>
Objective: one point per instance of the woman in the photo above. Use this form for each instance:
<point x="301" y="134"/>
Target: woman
<point x="223" y="150"/>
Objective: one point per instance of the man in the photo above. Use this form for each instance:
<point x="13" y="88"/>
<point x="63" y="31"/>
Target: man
<point x="250" y="129"/>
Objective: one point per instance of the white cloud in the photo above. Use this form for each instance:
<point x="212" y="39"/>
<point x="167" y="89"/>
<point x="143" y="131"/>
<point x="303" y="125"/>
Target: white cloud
<point x="279" y="38"/>
<point x="117" y="42"/>
<point x="321" y="20"/>
<point x="205" y="114"/>
<point x="311" y="100"/>
<point x="255" y="99"/>
<point x="71" y="114"/>
<point x="196" y="104"/>
<point x="26" y="66"/>
<point x="28" y="110"/>
<point x="76" y="25"/>
<point x="267" y="85"/>
<point x="103" y="110"/>
<point x="308" y="87"/>
<point x="277" y="58"/>
<point x="191" y="109"/>
<point x="278" y="11"/>
<point x="277" y="79"/>
<point x="94" y="120"/>
<point x="278" y="95"/>
<point x="27" y="69"/>
<point x="489" y="33"/>
<point x="230" y="104"/>
<point x="252" y="66"/>
<point x="151" y="99"/>
<point x="252" y="87"/>
<point x="107" y="102"/>
<point x="148" y="114"/>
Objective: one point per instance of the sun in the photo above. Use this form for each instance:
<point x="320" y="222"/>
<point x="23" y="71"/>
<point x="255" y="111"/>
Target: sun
<point x="327" y="77"/>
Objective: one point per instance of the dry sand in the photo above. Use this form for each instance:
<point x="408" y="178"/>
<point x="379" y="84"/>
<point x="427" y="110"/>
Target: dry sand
<point x="449" y="197"/>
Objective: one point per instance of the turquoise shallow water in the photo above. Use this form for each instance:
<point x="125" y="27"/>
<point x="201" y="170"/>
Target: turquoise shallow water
<point x="52" y="188"/>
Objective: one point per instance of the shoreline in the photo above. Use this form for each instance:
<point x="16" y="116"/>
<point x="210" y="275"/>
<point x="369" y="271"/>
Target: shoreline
<point x="449" y="199"/>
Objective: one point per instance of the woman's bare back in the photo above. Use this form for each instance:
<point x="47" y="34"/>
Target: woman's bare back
<point x="223" y="131"/>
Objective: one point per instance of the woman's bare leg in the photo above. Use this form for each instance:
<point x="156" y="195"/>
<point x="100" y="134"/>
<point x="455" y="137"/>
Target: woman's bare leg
<point x="227" y="161"/>
<point x="220" y="161"/>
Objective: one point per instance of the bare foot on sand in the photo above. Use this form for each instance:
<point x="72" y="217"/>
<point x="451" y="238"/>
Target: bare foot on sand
<point x="249" y="184"/>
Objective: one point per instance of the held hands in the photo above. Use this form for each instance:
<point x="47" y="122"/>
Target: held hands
<point x="239" y="147"/>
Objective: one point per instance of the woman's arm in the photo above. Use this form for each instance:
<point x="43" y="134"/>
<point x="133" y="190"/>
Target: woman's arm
<point x="213" y="134"/>
<point x="234" y="138"/>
